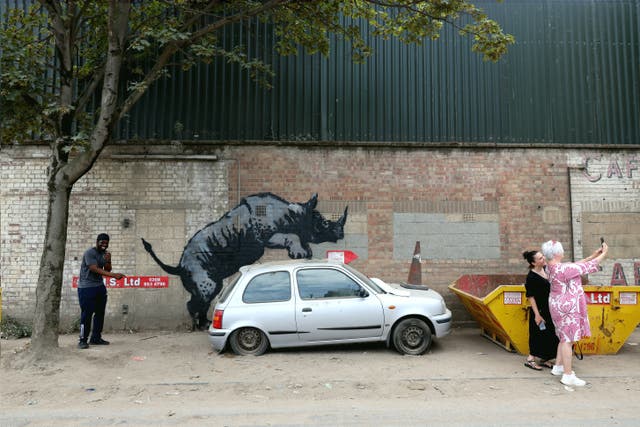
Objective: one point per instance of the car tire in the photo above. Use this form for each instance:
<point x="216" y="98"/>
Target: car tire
<point x="412" y="336"/>
<point x="248" y="342"/>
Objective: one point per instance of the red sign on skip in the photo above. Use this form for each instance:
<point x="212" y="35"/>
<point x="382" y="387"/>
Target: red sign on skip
<point x="598" y="298"/>
<point x="147" y="282"/>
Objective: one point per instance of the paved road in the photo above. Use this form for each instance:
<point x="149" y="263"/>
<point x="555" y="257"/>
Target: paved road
<point x="174" y="379"/>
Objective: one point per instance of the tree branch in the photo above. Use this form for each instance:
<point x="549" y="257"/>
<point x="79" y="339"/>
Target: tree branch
<point x="118" y="22"/>
<point x="175" y="46"/>
<point x="89" y="90"/>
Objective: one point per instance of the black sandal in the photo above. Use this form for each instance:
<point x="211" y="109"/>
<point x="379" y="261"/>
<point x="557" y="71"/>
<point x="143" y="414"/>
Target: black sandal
<point x="532" y="365"/>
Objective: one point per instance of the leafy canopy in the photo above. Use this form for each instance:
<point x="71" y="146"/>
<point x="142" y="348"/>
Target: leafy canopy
<point x="53" y="55"/>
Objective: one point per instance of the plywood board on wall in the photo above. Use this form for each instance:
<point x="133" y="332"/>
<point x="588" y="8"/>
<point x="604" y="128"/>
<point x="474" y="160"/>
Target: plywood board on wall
<point x="621" y="230"/>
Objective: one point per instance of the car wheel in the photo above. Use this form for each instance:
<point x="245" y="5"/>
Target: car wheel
<point x="412" y="336"/>
<point x="248" y="342"/>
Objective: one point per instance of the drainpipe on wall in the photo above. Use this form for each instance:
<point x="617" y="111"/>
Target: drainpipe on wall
<point x="237" y="182"/>
<point x="573" y="243"/>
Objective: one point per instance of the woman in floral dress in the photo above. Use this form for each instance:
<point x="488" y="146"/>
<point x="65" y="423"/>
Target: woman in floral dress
<point x="568" y="305"/>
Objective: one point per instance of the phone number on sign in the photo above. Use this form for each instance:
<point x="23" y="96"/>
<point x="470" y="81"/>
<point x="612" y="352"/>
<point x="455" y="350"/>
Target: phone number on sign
<point x="132" y="282"/>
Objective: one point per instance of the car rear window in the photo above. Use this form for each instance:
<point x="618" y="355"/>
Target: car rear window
<point x="268" y="287"/>
<point x="227" y="290"/>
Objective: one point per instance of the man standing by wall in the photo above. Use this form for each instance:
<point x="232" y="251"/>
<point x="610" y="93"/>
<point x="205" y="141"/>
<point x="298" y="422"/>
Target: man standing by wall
<point x="92" y="292"/>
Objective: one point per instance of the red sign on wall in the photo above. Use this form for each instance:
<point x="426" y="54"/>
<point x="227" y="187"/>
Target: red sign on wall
<point x="344" y="257"/>
<point x="147" y="282"/>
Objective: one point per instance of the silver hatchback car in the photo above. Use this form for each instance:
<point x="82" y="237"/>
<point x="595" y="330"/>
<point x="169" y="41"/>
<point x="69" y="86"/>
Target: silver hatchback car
<point x="305" y="303"/>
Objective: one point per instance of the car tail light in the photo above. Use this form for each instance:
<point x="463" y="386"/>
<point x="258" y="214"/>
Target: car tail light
<point x="217" y="319"/>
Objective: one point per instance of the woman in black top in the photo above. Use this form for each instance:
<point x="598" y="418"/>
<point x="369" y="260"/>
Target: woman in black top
<point x="543" y="342"/>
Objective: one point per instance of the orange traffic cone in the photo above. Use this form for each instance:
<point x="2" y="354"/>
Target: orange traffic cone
<point x="415" y="271"/>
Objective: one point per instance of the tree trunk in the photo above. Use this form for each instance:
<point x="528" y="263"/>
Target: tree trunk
<point x="48" y="291"/>
<point x="64" y="172"/>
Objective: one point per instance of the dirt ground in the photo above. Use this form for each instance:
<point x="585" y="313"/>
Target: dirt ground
<point x="169" y="378"/>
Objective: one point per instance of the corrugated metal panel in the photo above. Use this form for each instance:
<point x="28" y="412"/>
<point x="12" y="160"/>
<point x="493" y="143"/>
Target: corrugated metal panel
<point x="573" y="77"/>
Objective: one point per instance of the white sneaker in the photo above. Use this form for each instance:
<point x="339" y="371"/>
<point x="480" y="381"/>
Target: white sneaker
<point x="557" y="370"/>
<point x="572" y="380"/>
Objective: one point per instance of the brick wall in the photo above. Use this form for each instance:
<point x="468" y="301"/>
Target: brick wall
<point x="128" y="197"/>
<point x="519" y="198"/>
<point x="521" y="183"/>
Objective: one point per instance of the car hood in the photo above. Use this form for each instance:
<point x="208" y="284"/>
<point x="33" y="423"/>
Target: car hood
<point x="404" y="290"/>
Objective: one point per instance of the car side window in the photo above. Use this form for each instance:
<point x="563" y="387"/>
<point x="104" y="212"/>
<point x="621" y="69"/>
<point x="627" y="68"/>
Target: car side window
<point x="268" y="287"/>
<point x="327" y="283"/>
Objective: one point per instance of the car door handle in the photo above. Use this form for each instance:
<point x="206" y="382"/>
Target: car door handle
<point x="306" y="310"/>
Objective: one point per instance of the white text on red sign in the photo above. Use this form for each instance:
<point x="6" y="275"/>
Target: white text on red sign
<point x="598" y="298"/>
<point x="146" y="282"/>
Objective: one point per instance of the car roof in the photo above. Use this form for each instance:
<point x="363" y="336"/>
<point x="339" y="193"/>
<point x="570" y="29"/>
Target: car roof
<point x="286" y="264"/>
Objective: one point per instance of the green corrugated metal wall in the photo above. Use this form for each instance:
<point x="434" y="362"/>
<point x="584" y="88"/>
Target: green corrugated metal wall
<point x="573" y="77"/>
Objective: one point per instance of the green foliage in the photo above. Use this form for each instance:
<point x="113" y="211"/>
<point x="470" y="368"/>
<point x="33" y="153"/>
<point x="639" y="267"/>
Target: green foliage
<point x="23" y="64"/>
<point x="11" y="328"/>
<point x="40" y="96"/>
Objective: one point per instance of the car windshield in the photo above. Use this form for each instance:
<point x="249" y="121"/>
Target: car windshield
<point x="377" y="289"/>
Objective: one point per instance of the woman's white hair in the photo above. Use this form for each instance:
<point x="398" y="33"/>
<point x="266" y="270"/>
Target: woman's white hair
<point x="551" y="249"/>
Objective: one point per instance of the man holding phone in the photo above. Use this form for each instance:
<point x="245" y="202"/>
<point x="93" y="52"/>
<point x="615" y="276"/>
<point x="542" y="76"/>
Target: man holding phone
<point x="92" y="292"/>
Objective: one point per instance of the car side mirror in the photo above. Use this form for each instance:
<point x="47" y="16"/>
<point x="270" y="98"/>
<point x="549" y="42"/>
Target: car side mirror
<point x="363" y="293"/>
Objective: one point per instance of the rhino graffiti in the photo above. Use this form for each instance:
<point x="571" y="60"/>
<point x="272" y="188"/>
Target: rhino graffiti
<point x="240" y="237"/>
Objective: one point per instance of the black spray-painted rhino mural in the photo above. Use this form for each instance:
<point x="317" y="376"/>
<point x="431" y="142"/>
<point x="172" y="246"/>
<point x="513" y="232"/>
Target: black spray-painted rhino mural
<point x="239" y="238"/>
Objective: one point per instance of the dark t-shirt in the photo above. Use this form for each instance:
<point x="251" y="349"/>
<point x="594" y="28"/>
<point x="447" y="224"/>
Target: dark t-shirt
<point x="89" y="279"/>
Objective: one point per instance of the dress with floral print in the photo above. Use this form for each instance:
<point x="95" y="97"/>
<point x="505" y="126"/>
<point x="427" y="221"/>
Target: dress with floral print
<point x="567" y="303"/>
